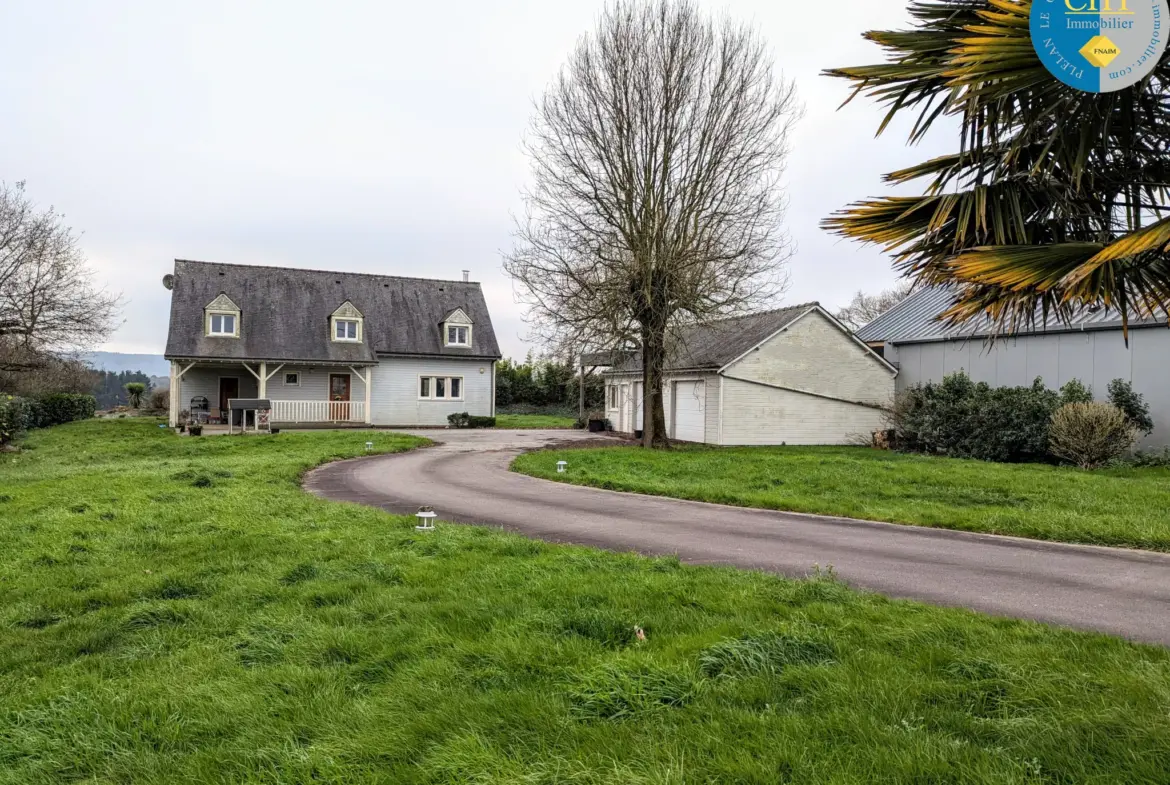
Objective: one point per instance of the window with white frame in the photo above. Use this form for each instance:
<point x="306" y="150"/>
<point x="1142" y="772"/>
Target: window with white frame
<point x="221" y="324"/>
<point x="346" y="330"/>
<point x="440" y="388"/>
<point x="612" y="392"/>
<point x="292" y="379"/>
<point x="458" y="335"/>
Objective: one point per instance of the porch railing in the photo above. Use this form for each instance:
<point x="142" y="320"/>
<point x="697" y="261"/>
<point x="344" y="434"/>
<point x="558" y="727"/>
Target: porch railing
<point x="318" y="411"/>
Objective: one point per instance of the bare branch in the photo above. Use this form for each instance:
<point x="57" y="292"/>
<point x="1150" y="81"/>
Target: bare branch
<point x="656" y="156"/>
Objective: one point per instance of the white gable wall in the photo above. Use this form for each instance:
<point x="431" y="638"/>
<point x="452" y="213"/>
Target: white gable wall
<point x="814" y="355"/>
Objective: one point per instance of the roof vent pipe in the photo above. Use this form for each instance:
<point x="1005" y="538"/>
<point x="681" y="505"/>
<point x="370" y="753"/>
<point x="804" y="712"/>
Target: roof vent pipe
<point x="466" y="276"/>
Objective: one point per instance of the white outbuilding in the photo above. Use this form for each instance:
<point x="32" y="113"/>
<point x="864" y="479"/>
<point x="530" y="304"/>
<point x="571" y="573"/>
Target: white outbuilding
<point x="794" y="375"/>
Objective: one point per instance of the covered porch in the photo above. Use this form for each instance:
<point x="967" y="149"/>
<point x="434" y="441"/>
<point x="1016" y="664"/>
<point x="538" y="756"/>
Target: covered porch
<point x="310" y="394"/>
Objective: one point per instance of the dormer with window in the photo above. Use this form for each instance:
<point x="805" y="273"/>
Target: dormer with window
<point x="221" y="318"/>
<point x="345" y="325"/>
<point x="457" y="330"/>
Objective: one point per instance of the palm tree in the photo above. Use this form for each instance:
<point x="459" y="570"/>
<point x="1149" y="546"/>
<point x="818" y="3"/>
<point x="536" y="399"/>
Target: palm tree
<point x="1056" y="199"/>
<point x="134" y="393"/>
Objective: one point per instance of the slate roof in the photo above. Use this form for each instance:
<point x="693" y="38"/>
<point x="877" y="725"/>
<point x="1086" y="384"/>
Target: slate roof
<point x="915" y="320"/>
<point x="284" y="314"/>
<point x="714" y="345"/>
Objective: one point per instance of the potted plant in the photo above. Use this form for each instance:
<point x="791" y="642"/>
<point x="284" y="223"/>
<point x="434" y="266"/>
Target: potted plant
<point x="184" y="418"/>
<point x="195" y="428"/>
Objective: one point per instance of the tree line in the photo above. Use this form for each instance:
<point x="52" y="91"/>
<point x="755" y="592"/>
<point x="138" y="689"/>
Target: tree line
<point x="543" y="383"/>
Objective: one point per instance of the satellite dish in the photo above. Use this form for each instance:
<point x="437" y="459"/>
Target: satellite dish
<point x="169" y="281"/>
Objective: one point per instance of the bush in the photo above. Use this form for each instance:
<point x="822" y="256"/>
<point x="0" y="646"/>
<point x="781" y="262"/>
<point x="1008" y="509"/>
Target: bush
<point x="15" y="416"/>
<point x="1151" y="458"/>
<point x="1090" y="434"/>
<point x="1074" y="391"/>
<point x="465" y="420"/>
<point x="18" y="415"/>
<point x="60" y="408"/>
<point x="160" y="400"/>
<point x="1131" y="404"/>
<point x="964" y="419"/>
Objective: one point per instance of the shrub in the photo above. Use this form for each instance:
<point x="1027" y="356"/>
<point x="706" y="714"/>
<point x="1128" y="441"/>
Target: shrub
<point x="965" y="419"/>
<point x="1132" y="405"/>
<point x="1151" y="458"/>
<point x="1090" y="434"/>
<point x="1074" y="391"/>
<point x="465" y="420"/>
<point x="160" y="400"/>
<point x="60" y="408"/>
<point x="14" y="418"/>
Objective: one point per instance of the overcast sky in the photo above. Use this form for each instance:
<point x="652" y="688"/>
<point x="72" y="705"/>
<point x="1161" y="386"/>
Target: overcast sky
<point x="363" y="136"/>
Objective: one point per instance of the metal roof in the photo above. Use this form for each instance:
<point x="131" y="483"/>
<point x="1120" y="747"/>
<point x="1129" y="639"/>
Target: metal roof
<point x="915" y="320"/>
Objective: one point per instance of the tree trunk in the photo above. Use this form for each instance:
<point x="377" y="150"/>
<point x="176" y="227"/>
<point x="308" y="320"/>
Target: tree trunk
<point x="653" y="412"/>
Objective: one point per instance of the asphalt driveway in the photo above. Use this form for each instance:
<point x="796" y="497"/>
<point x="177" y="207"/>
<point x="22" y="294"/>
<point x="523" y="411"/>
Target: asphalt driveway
<point x="466" y="479"/>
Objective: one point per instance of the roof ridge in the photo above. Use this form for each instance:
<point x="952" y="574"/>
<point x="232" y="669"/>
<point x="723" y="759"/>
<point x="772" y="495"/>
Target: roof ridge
<point x="328" y="272"/>
<point x="754" y="314"/>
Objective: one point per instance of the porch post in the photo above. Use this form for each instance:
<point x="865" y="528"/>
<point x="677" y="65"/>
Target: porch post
<point x="263" y="387"/>
<point x="369" y="385"/>
<point x="173" y="415"/>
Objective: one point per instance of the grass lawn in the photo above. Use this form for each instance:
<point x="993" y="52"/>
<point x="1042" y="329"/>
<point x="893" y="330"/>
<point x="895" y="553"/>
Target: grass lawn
<point x="1127" y="507"/>
<point x="176" y="610"/>
<point x="533" y="421"/>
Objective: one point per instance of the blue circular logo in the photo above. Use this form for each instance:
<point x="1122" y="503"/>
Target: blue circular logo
<point x="1100" y="46"/>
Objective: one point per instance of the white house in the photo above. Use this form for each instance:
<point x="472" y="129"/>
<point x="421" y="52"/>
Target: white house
<point x="329" y="347"/>
<point x="1090" y="347"/>
<point x="794" y="376"/>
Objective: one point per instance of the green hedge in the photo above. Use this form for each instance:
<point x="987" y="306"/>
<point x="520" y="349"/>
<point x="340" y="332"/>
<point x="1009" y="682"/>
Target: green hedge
<point x="465" y="420"/>
<point x="18" y="415"/>
<point x="967" y="419"/>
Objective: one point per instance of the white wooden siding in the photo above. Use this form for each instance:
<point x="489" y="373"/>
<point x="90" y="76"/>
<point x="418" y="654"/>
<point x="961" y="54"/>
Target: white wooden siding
<point x="394" y="397"/>
<point x="203" y="380"/>
<point x="759" y="415"/>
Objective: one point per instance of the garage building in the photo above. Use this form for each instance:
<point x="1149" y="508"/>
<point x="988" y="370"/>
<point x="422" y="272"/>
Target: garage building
<point x="795" y="375"/>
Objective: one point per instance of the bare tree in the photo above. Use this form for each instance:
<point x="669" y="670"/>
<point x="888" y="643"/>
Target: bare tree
<point x="656" y="159"/>
<point x="49" y="304"/>
<point x="864" y="308"/>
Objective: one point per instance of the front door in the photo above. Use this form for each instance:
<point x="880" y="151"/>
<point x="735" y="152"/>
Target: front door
<point x="339" y="396"/>
<point x="229" y="387"/>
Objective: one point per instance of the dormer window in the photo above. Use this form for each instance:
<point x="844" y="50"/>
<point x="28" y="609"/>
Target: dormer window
<point x="456" y="329"/>
<point x="346" y="329"/>
<point x="346" y="324"/>
<point x="458" y="335"/>
<point x="222" y="318"/>
<point x="223" y="324"/>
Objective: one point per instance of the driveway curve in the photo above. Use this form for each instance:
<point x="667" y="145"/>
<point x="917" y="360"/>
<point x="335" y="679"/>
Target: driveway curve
<point x="466" y="479"/>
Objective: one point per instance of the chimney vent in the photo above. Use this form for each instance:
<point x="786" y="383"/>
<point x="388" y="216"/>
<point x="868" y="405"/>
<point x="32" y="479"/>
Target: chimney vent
<point x="466" y="276"/>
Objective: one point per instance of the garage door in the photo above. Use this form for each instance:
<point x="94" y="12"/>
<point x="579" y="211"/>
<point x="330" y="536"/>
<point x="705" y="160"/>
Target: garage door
<point x="690" y="405"/>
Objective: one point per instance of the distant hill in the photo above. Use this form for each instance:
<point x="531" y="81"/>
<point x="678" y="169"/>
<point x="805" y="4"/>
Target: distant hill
<point x="149" y="364"/>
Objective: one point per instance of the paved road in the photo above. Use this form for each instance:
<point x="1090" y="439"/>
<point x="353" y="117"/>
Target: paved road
<point x="466" y="479"/>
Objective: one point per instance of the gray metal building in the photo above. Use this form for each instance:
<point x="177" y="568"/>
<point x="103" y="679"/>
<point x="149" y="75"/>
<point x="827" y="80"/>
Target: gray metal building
<point x="1091" y="349"/>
